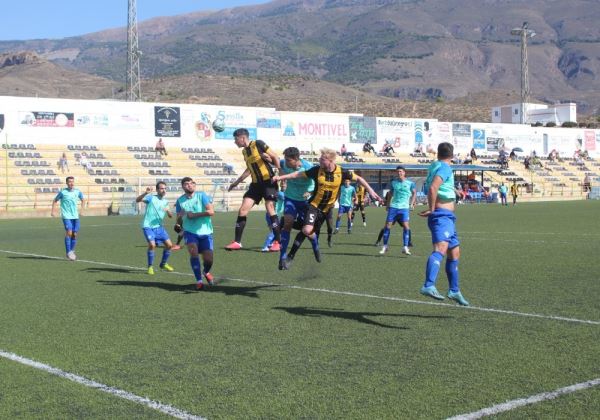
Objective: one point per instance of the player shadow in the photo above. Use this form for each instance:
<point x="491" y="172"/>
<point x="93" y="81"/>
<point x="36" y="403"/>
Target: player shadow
<point x="112" y="270"/>
<point x="352" y="316"/>
<point x="354" y="254"/>
<point x="251" y="292"/>
<point x="40" y="258"/>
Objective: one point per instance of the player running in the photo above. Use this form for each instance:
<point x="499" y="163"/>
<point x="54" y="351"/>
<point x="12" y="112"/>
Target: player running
<point x="361" y="200"/>
<point x="157" y="207"/>
<point x="194" y="212"/>
<point x="442" y="224"/>
<point x="347" y="202"/>
<point x="403" y="198"/>
<point x="69" y="198"/>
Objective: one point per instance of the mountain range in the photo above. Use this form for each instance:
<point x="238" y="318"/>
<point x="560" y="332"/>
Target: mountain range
<point x="419" y="49"/>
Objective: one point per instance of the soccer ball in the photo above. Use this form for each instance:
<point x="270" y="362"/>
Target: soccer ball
<point x="218" y="125"/>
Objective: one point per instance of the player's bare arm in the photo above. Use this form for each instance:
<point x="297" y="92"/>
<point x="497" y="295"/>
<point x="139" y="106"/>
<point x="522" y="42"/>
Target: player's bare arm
<point x="243" y="176"/>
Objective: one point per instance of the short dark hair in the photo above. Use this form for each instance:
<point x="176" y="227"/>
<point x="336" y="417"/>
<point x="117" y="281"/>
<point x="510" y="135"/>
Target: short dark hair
<point x="445" y="150"/>
<point x="69" y="177"/>
<point x="292" y="153"/>
<point x="241" y="132"/>
<point x="185" y="179"/>
<point x="160" y="183"/>
<point x="400" y="167"/>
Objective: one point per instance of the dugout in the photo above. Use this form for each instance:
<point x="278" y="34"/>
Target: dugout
<point x="380" y="175"/>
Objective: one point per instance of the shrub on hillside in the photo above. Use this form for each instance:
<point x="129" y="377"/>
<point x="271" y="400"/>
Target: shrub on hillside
<point x="569" y="124"/>
<point x="550" y="124"/>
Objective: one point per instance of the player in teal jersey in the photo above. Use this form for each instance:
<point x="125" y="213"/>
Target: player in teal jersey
<point x="441" y="222"/>
<point x="194" y="212"/>
<point x="279" y="206"/>
<point x="157" y="207"/>
<point x="347" y="202"/>
<point x="403" y="198"/>
<point x="69" y="198"/>
<point x="297" y="192"/>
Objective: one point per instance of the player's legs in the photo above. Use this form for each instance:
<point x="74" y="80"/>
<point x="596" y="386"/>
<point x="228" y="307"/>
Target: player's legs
<point x="350" y="218"/>
<point x="247" y="204"/>
<point x="206" y="247"/>
<point x="329" y="220"/>
<point x="338" y="221"/>
<point x="405" y="237"/>
<point x="168" y="245"/>
<point x="273" y="222"/>
<point x="453" y="277"/>
<point x="191" y="241"/>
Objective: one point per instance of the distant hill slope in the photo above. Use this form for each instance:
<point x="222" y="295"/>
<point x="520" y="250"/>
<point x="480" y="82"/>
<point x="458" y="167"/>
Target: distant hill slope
<point x="398" y="48"/>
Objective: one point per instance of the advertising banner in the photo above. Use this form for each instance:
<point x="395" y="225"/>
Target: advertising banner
<point x="167" y="121"/>
<point x="362" y="129"/>
<point x="234" y="118"/>
<point x="589" y="140"/>
<point x="91" y="120"/>
<point x="398" y="132"/>
<point x="315" y="128"/>
<point x="268" y="126"/>
<point x="46" y="119"/>
<point x="479" y="138"/>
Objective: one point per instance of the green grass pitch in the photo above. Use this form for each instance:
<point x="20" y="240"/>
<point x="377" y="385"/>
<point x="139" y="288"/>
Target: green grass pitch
<point x="348" y="338"/>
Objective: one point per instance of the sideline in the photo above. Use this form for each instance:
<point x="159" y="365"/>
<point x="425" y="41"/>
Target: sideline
<point x="163" y="408"/>
<point x="511" y="405"/>
<point x="335" y="292"/>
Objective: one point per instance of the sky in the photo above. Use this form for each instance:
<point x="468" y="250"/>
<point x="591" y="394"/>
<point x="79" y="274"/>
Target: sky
<point x="36" y="19"/>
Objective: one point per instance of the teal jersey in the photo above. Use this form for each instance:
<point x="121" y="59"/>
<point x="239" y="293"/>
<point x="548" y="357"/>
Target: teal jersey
<point x="196" y="204"/>
<point x="503" y="189"/>
<point x="156" y="208"/>
<point x="402" y="192"/>
<point x="68" y="202"/>
<point x="296" y="189"/>
<point x="346" y="194"/>
<point x="443" y="170"/>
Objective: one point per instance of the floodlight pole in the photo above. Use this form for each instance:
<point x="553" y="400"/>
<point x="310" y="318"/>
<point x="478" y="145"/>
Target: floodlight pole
<point x="134" y="90"/>
<point x="524" y="33"/>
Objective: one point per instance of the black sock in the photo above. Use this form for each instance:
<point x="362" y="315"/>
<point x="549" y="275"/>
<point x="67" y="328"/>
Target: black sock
<point x="300" y="237"/>
<point x="380" y="235"/>
<point x="275" y="227"/>
<point x="240" y="224"/>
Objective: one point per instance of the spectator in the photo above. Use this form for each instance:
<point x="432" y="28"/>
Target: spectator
<point x="431" y="150"/>
<point x="419" y="148"/>
<point x="513" y="155"/>
<point x="84" y="162"/>
<point x="343" y="150"/>
<point x="587" y="184"/>
<point x="368" y="147"/>
<point x="160" y="147"/>
<point x="527" y="162"/>
<point x="63" y="164"/>
<point x="473" y="154"/>
<point x="228" y="168"/>
<point x="457" y="159"/>
<point x="388" y="149"/>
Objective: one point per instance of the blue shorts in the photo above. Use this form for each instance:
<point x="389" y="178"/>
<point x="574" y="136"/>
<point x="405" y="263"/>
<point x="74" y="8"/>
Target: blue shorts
<point x="344" y="209"/>
<point x="502" y="195"/>
<point x="442" y="226"/>
<point x="397" y="215"/>
<point x="204" y="242"/>
<point x="158" y="235"/>
<point x="295" y="208"/>
<point x="71" y="224"/>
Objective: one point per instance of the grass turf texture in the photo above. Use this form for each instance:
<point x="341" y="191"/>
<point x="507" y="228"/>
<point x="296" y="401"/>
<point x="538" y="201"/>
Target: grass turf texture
<point x="252" y="347"/>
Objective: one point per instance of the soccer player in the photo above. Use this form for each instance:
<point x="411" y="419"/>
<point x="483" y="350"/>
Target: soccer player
<point x="297" y="191"/>
<point x="503" y="190"/>
<point x="441" y="221"/>
<point x="328" y="179"/>
<point x="258" y="157"/>
<point x="347" y="202"/>
<point x="69" y="198"/>
<point x="157" y="207"/>
<point x="194" y="212"/>
<point x="404" y="196"/>
<point x="361" y="200"/>
<point x="515" y="190"/>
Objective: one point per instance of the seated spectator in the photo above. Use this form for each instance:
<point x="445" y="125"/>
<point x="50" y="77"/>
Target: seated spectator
<point x="63" y="164"/>
<point x="587" y="183"/>
<point x="513" y="155"/>
<point x="527" y="162"/>
<point x="343" y="150"/>
<point x="368" y="147"/>
<point x="457" y="159"/>
<point x="419" y="148"/>
<point x="431" y="150"/>
<point x="388" y="149"/>
<point x="160" y="147"/>
<point x="84" y="162"/>
<point x="228" y="168"/>
<point x="473" y="154"/>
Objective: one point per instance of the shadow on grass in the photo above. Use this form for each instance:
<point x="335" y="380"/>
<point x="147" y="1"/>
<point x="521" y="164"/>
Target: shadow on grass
<point x="40" y="258"/>
<point x="251" y="292"/>
<point x="353" y="316"/>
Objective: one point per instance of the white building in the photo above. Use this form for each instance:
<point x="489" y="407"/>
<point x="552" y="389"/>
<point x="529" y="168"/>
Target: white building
<point x="534" y="113"/>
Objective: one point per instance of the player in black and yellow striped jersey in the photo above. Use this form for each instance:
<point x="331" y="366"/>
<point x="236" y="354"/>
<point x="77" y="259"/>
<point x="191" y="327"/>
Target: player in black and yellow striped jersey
<point x="260" y="160"/>
<point x="360" y="203"/>
<point x="328" y="179"/>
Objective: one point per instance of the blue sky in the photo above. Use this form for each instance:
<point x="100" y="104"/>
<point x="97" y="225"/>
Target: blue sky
<point x="62" y="18"/>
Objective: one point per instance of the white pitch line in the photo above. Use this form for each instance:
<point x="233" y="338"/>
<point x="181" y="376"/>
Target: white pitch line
<point x="336" y="292"/>
<point x="511" y="405"/>
<point x="163" y="408"/>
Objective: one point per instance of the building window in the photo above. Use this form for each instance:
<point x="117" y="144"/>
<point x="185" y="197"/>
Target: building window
<point x="516" y="111"/>
<point x="495" y="113"/>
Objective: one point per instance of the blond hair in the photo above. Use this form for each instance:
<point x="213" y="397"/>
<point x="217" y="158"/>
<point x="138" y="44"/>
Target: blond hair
<point x="329" y="153"/>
